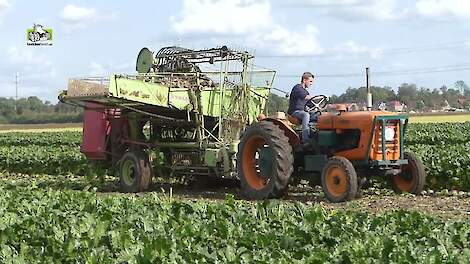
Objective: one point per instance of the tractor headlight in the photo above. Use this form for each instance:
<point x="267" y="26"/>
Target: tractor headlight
<point x="389" y="133"/>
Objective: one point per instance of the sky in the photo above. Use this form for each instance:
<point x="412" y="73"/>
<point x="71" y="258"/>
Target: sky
<point x="425" y="42"/>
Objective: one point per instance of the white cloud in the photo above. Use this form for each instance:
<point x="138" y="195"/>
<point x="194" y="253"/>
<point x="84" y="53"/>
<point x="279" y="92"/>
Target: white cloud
<point x="36" y="71"/>
<point x="250" y="21"/>
<point x="4" y="6"/>
<point x="444" y="9"/>
<point x="223" y="16"/>
<point x="352" y="48"/>
<point x="105" y="69"/>
<point x="325" y="3"/>
<point x="97" y="69"/>
<point x="26" y="56"/>
<point x="31" y="62"/>
<point x="353" y="10"/>
<point x="288" y="42"/>
<point x="380" y="10"/>
<point x="75" y="15"/>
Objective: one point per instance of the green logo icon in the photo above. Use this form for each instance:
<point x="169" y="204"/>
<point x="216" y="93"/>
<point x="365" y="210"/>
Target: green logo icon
<point x="39" y="35"/>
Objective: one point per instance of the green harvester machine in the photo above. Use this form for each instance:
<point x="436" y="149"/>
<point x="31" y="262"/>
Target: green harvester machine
<point x="182" y="113"/>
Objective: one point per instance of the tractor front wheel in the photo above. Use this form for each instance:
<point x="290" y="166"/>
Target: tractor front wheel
<point x="339" y="180"/>
<point x="412" y="176"/>
<point x="265" y="161"/>
<point x="135" y="172"/>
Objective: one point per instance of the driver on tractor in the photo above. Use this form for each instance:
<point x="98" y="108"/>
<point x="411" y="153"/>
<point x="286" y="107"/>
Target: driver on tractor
<point x="299" y="97"/>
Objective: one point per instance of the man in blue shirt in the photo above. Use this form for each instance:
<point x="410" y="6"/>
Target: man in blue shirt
<point x="298" y="98"/>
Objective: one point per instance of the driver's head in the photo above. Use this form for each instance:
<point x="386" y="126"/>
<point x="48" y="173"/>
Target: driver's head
<point x="307" y="79"/>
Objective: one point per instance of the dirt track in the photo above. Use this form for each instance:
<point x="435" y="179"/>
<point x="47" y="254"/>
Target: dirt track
<point x="445" y="207"/>
<point x="372" y="201"/>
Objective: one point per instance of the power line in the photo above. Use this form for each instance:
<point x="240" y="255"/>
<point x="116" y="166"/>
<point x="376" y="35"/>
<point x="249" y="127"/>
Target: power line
<point x="422" y="72"/>
<point x="452" y="68"/>
<point x="444" y="45"/>
<point x="302" y="4"/>
<point x="400" y="50"/>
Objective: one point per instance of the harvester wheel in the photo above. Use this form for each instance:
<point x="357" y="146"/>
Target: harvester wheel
<point x="265" y="161"/>
<point x="412" y="177"/>
<point x="135" y="172"/>
<point x="339" y="180"/>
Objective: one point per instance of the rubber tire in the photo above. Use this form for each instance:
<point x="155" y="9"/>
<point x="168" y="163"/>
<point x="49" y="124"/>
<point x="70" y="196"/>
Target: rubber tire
<point x="351" y="179"/>
<point x="283" y="161"/>
<point x="143" y="173"/>
<point x="418" y="172"/>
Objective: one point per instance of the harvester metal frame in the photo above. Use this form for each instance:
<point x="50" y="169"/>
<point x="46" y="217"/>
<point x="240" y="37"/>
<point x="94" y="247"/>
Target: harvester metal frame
<point x="214" y="114"/>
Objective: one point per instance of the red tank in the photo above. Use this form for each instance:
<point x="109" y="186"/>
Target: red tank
<point x="96" y="128"/>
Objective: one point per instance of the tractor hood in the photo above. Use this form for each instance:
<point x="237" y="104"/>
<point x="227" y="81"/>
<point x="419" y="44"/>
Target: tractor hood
<point x="348" y="120"/>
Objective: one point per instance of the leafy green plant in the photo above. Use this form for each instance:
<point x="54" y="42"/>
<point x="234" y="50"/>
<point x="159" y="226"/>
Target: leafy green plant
<point x="438" y="133"/>
<point x="444" y="149"/>
<point x="38" y="226"/>
<point x="67" y="138"/>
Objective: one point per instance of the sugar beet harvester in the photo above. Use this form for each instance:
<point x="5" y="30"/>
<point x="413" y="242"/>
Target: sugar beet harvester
<point x="179" y="116"/>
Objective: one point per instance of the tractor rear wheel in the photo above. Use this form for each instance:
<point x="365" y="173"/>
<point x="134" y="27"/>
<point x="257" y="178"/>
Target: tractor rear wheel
<point x="339" y="180"/>
<point x="135" y="172"/>
<point x="264" y="161"/>
<point x="412" y="177"/>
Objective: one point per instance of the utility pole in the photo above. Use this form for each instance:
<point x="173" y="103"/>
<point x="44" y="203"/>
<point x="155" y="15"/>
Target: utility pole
<point x="16" y="91"/>
<point x="369" y="94"/>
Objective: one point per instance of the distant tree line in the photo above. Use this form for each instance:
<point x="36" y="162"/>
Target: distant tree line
<point x="33" y="110"/>
<point x="421" y="99"/>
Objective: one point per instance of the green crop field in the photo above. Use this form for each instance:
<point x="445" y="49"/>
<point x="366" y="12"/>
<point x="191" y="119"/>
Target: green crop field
<point x="40" y="127"/>
<point x="55" y="209"/>
<point x="42" y="226"/>
<point x="449" y="118"/>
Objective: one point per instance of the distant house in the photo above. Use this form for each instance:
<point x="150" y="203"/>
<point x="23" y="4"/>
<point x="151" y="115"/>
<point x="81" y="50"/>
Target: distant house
<point x="445" y="106"/>
<point x="351" y="107"/>
<point x="395" y="106"/>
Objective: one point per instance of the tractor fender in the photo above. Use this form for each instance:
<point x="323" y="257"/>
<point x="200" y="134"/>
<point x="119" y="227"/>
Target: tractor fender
<point x="288" y="131"/>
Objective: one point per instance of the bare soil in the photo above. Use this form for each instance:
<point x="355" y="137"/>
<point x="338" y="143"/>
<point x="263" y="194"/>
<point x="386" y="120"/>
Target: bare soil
<point x="373" y="200"/>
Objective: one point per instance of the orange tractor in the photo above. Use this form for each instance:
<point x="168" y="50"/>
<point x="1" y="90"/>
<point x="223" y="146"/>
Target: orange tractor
<point x="344" y="149"/>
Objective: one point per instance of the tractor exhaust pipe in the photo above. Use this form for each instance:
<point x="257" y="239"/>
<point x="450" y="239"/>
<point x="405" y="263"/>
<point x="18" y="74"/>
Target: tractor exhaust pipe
<point x="369" y="94"/>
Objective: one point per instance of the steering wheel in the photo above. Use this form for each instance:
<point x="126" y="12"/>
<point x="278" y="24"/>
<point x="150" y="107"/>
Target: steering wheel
<point x="316" y="104"/>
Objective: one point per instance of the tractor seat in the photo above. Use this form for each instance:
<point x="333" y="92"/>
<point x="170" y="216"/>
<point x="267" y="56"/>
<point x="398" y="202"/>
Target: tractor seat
<point x="293" y="119"/>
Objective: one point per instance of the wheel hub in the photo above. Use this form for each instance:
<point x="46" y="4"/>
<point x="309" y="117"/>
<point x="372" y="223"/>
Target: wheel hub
<point x="336" y="180"/>
<point x="128" y="172"/>
<point x="265" y="162"/>
<point x="257" y="162"/>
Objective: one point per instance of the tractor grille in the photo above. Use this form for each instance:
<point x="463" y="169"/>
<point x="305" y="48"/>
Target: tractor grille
<point x="392" y="142"/>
